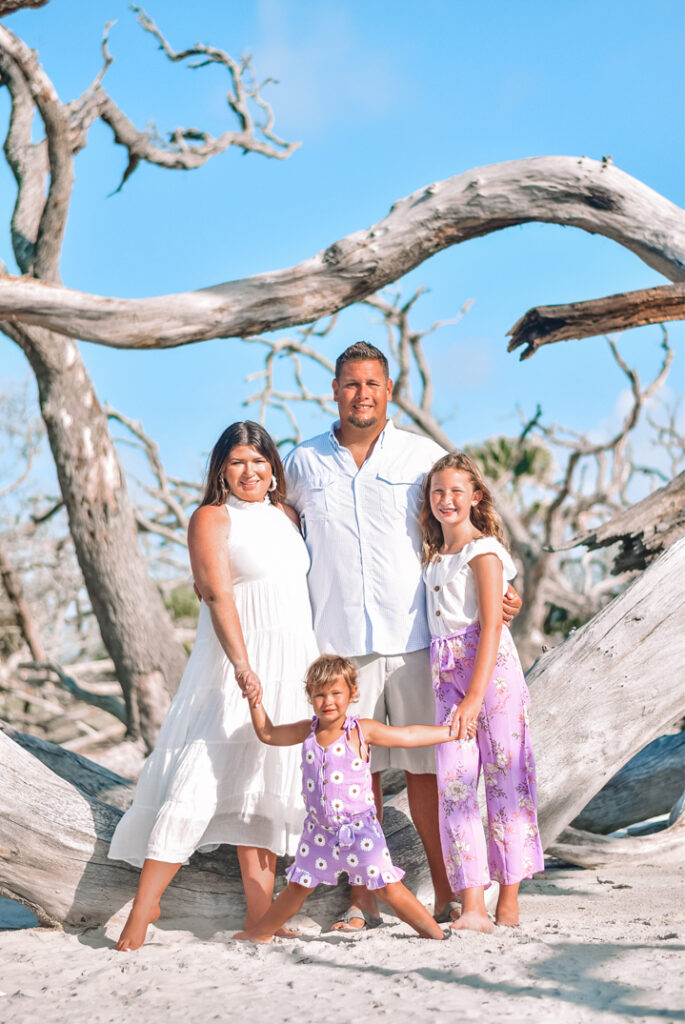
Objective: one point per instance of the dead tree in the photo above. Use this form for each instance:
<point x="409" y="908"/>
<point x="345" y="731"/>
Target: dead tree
<point x="133" y="622"/>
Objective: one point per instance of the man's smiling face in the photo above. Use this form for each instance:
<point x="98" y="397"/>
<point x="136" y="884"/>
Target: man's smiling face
<point x="362" y="393"/>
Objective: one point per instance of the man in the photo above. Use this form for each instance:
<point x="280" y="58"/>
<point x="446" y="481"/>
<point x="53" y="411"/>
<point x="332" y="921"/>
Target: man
<point x="358" y="491"/>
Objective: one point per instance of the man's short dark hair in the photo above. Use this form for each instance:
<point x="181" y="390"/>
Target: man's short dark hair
<point x="361" y="350"/>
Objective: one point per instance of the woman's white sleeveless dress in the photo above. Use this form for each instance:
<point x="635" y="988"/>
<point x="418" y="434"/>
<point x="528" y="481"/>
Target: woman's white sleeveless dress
<point x="209" y="779"/>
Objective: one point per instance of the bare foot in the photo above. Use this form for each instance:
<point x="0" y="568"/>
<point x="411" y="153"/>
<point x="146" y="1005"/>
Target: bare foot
<point x="288" y="933"/>
<point x="135" y="929"/>
<point x="250" y="936"/>
<point x="473" y="922"/>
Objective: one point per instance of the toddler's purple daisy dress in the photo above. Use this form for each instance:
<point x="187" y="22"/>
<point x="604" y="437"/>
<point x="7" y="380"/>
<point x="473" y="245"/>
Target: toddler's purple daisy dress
<point x="341" y="831"/>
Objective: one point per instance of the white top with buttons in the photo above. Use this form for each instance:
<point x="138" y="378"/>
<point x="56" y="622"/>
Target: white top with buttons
<point x="451" y="588"/>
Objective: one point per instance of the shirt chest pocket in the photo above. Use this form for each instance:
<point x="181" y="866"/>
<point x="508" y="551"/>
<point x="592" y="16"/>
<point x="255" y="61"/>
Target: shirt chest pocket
<point x="318" y="498"/>
<point x="400" y="495"/>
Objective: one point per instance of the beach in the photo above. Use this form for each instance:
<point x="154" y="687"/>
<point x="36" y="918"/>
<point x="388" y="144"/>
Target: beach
<point x="600" y="946"/>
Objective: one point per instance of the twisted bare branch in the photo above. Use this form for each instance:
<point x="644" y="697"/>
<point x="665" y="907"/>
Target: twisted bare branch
<point x="55" y="120"/>
<point x="582" y="193"/>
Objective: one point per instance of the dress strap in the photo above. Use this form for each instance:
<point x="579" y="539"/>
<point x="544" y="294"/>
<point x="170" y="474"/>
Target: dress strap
<point x="351" y="723"/>
<point x="315" y="722"/>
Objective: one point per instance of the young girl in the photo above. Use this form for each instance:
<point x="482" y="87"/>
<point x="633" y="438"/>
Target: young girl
<point x="341" y="831"/>
<point x="475" y="665"/>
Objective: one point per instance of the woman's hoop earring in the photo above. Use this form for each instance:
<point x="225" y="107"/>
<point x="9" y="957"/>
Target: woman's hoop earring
<point x="274" y="484"/>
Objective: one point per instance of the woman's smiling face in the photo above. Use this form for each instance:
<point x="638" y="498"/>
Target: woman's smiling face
<point x="247" y="473"/>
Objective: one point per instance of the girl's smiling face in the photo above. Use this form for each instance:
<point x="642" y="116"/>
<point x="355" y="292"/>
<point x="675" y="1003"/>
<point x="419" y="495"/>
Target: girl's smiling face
<point x="331" y="702"/>
<point x="452" y="496"/>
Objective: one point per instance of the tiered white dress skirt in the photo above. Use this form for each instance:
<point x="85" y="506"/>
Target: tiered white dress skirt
<point x="209" y="779"/>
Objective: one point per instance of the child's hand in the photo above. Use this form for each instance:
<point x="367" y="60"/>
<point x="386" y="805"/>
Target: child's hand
<point x="255" y="699"/>
<point x="249" y="683"/>
<point x="463" y="725"/>
<point x="511" y="605"/>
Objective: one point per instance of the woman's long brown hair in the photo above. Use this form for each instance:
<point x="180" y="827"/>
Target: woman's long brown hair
<point x="243" y="432"/>
<point x="483" y="515"/>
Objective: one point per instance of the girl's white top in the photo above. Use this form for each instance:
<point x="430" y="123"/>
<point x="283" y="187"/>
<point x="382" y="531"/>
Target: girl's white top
<point x="451" y="594"/>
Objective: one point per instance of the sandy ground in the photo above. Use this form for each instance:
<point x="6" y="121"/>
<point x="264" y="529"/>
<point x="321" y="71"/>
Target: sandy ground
<point x="594" y="946"/>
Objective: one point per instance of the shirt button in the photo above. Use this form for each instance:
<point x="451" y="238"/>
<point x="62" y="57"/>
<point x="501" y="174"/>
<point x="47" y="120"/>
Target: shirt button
<point x="323" y="797"/>
<point x="436" y="588"/>
<point x="438" y="612"/>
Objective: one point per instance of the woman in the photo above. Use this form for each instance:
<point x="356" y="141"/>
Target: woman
<point x="209" y="780"/>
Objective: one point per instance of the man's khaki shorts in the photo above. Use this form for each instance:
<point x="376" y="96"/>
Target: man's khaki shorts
<point x="397" y="689"/>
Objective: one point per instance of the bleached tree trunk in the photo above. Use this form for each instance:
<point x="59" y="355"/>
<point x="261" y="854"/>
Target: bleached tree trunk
<point x="607" y="691"/>
<point x="134" y="624"/>
<point x="596" y="702"/>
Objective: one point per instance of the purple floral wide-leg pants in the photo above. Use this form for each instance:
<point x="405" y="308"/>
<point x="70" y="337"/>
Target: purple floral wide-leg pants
<point x="502" y="747"/>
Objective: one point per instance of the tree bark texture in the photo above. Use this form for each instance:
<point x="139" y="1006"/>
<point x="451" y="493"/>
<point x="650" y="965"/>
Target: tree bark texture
<point x="594" y="196"/>
<point x="544" y="325"/>
<point x="596" y="703"/>
<point x="611" y="688"/>
<point x="135" y="626"/>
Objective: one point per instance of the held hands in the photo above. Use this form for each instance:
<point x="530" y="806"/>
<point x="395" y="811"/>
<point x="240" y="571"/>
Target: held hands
<point x="249" y="683"/>
<point x="463" y="723"/>
<point x="511" y="605"/>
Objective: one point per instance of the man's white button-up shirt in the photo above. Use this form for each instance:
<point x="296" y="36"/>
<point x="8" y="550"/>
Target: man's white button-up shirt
<point x="362" y="532"/>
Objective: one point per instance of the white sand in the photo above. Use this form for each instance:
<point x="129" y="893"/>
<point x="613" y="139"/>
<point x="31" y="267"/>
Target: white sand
<point x="589" y="950"/>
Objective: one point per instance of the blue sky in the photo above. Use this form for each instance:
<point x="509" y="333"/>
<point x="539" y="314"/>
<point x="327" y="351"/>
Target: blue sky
<point x="385" y="98"/>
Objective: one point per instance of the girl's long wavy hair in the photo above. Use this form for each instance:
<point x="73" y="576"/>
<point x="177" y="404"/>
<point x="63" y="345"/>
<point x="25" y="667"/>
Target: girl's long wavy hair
<point x="243" y="432"/>
<point x="483" y="515"/>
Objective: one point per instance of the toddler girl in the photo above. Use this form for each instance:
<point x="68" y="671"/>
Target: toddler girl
<point x="341" y="831"/>
<point x="475" y="666"/>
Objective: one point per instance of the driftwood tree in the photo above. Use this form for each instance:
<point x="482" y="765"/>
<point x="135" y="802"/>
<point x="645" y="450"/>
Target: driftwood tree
<point x="42" y="813"/>
<point x="132" y="619"/>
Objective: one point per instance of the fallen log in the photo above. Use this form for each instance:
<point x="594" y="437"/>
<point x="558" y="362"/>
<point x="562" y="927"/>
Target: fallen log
<point x="589" y="850"/>
<point x="644" y="788"/>
<point x="609" y="689"/>
<point x="612" y="687"/>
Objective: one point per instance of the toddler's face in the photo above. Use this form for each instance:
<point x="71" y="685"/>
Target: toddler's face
<point x="452" y="496"/>
<point x="330" y="702"/>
